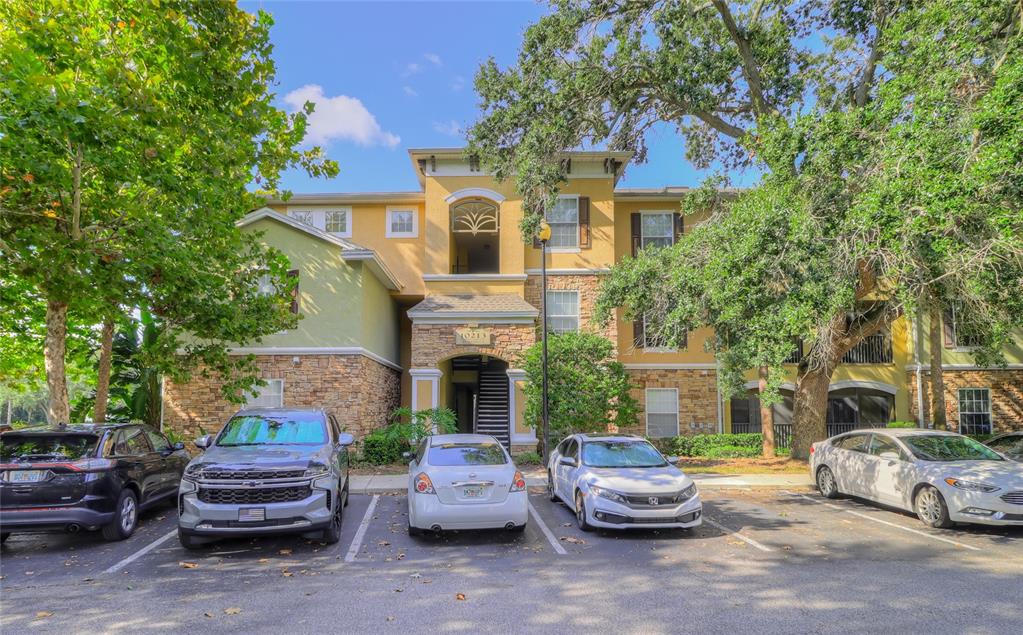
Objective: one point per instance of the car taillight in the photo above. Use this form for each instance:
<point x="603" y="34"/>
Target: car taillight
<point x="518" y="483"/>
<point x="423" y="484"/>
<point x="812" y="448"/>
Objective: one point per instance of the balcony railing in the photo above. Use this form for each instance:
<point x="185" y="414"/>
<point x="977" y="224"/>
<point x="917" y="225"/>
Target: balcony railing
<point x="876" y="349"/>
<point x="783" y="431"/>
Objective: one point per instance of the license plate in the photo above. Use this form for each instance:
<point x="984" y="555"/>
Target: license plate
<point x="251" y="515"/>
<point x="25" y="476"/>
<point x="472" y="492"/>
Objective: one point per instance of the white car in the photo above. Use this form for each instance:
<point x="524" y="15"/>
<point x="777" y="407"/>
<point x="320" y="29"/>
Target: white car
<point x="464" y="481"/>
<point x="942" y="476"/>
<point x="621" y="482"/>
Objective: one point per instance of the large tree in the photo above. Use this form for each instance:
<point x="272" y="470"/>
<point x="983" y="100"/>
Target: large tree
<point x="822" y="97"/>
<point x="129" y="135"/>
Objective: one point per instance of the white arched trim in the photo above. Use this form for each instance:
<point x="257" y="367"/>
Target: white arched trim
<point x="755" y="385"/>
<point x="475" y="192"/>
<point x="859" y="383"/>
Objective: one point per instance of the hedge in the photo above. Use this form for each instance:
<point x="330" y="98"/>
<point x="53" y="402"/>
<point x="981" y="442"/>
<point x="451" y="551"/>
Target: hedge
<point x="714" y="445"/>
<point x="380" y="449"/>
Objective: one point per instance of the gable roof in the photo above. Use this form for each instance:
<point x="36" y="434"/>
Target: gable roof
<point x="349" y="250"/>
<point x="469" y="306"/>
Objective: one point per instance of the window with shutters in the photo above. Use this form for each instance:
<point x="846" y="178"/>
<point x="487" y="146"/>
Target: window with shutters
<point x="657" y="229"/>
<point x="564" y="221"/>
<point x="562" y="311"/>
<point x="661" y="412"/>
<point x="654" y="339"/>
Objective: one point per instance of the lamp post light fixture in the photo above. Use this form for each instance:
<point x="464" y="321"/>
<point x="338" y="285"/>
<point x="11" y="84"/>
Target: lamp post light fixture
<point x="544" y="236"/>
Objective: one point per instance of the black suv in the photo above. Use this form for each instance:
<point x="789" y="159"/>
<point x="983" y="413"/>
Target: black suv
<point x="88" y="476"/>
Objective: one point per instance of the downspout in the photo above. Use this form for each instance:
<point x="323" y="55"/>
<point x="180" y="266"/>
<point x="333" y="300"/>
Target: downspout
<point x="914" y="328"/>
<point x="717" y="392"/>
<point x="163" y="380"/>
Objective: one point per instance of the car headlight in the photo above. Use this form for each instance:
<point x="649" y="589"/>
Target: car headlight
<point x="316" y="469"/>
<point x="608" y="494"/>
<point x="192" y="472"/>
<point x="971" y="486"/>
<point x="687" y="493"/>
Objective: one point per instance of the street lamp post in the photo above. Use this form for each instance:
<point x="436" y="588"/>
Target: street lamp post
<point x="545" y="236"/>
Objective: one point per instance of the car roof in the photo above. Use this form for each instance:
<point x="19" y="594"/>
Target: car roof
<point x="277" y="411"/>
<point x="64" y="428"/>
<point x="442" y="439"/>
<point x="588" y="436"/>
<point x="902" y="432"/>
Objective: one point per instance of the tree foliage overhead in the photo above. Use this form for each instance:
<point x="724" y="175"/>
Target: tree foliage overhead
<point x="130" y="134"/>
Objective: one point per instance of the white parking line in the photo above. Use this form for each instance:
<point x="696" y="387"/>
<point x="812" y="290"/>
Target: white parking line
<point x="353" y="551"/>
<point x="546" y="531"/>
<point x="885" y="522"/>
<point x="745" y="539"/>
<point x="141" y="552"/>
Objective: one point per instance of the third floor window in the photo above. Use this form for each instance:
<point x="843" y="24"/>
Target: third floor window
<point x="564" y="222"/>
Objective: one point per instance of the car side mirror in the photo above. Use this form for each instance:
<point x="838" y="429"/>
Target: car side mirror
<point x="345" y="439"/>
<point x="407" y="456"/>
<point x="203" y="442"/>
<point x="889" y="456"/>
<point x="673" y="459"/>
<point x="569" y="461"/>
<point x="178" y="445"/>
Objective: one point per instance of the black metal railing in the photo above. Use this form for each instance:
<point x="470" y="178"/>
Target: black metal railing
<point x="876" y="349"/>
<point x="783" y="431"/>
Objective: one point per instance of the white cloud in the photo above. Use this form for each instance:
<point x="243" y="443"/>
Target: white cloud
<point x="341" y="117"/>
<point x="411" y="92"/>
<point x="450" y="128"/>
<point x="457" y="83"/>
<point x="433" y="58"/>
<point x="411" y="69"/>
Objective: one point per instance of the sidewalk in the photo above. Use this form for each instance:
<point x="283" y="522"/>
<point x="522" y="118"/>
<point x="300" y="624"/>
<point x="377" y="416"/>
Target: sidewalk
<point x="385" y="483"/>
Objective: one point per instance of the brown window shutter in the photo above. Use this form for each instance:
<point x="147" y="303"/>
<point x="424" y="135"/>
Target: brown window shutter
<point x="636" y="232"/>
<point x="679" y="228"/>
<point x="585" y="242"/>
<point x="294" y="292"/>
<point x="536" y="242"/>
<point x="948" y="328"/>
<point x="638" y="336"/>
<point x="684" y="343"/>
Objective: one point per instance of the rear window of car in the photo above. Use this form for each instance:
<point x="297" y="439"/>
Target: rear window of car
<point x="298" y="428"/>
<point x="944" y="447"/>
<point x="453" y="454"/>
<point x="1011" y="445"/>
<point x="42" y="447"/>
<point x="854" y="442"/>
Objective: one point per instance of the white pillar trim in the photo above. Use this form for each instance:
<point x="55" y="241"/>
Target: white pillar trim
<point x="433" y="375"/>
<point x="514" y="375"/>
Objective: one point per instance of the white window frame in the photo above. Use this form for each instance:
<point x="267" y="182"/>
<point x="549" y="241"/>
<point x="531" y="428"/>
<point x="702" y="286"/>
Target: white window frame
<point x="989" y="413"/>
<point x="657" y="212"/>
<point x="954" y="310"/>
<point x="646" y="408"/>
<point x="258" y="392"/>
<point x="654" y="349"/>
<point x="578" y="310"/>
<point x="415" y="223"/>
<point x="568" y="249"/>
<point x="319" y="218"/>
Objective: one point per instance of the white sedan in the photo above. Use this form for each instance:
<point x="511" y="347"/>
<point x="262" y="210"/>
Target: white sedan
<point x="464" y="481"/>
<point x="942" y="476"/>
<point x="621" y="482"/>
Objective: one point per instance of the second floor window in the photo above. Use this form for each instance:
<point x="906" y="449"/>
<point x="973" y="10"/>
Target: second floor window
<point x="401" y="223"/>
<point x="657" y="230"/>
<point x="335" y="221"/>
<point x="563" y="311"/>
<point x="958" y="333"/>
<point x="564" y="222"/>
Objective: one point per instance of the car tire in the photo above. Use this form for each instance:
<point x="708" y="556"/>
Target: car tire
<point x="332" y="534"/>
<point x="517" y="529"/>
<point x="551" y="494"/>
<point x="345" y="495"/>
<point x="414" y="531"/>
<point x="580" y="513"/>
<point x="826" y="483"/>
<point x="930" y="507"/>
<point x="126" y="517"/>
<point x="189" y="541"/>
<point x="4" y="536"/>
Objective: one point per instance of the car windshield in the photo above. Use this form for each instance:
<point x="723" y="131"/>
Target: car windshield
<point x="621" y="454"/>
<point x="27" y="447"/>
<point x="452" y="454"/>
<point x="1011" y="445"/>
<point x="296" y="428"/>
<point x="942" y="447"/>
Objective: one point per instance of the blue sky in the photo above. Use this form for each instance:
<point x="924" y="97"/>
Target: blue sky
<point x="388" y="76"/>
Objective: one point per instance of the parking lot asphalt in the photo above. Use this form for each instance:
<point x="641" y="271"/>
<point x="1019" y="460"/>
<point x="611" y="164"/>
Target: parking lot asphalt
<point x="768" y="560"/>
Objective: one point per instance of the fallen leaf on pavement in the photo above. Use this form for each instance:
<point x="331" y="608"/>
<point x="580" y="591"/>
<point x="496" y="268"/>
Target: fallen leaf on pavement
<point x="208" y="614"/>
<point x="285" y="552"/>
<point x="383" y="543"/>
<point x="573" y="540"/>
<point x="234" y="610"/>
<point x="286" y="573"/>
<point x="42" y="614"/>
<point x="416" y="576"/>
<point x="566" y="524"/>
<point x="390" y="618"/>
<point x="188" y="565"/>
<point x="459" y="596"/>
<point x="263" y="560"/>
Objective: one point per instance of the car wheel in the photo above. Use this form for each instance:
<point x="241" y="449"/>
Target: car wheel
<point x="931" y="508"/>
<point x="580" y="513"/>
<point x="347" y="490"/>
<point x="551" y="494"/>
<point x="826" y="483"/>
<point x="126" y="517"/>
<point x="188" y="541"/>
<point x="414" y="531"/>
<point x="332" y="534"/>
<point x="518" y="529"/>
<point x="4" y="536"/>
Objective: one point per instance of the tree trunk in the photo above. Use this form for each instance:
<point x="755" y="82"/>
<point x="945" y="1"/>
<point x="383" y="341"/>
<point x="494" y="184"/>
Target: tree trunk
<point x="766" y="417"/>
<point x="54" y="351"/>
<point x="809" y="412"/>
<point x="937" y="345"/>
<point x="106" y="353"/>
<point x="154" y="400"/>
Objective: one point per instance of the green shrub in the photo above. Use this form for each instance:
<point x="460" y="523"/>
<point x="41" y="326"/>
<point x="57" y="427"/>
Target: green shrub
<point x="718" y="445"/>
<point x="731" y="452"/>
<point x="901" y="424"/>
<point x="406" y="430"/>
<point x="528" y="458"/>
<point x="379" y="448"/>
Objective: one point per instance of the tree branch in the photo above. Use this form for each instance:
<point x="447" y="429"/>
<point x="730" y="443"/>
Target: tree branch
<point x="719" y="124"/>
<point x="749" y="64"/>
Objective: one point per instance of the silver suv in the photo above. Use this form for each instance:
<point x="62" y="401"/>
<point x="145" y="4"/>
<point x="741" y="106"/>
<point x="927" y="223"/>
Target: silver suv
<point x="268" y="471"/>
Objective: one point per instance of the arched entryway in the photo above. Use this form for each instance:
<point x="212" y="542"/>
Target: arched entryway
<point x="476" y="388"/>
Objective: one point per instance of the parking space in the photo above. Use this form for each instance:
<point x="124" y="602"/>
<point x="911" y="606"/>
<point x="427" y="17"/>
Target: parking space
<point x="740" y="525"/>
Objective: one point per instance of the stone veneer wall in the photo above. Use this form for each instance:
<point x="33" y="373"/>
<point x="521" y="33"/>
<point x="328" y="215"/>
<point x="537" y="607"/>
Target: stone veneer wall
<point x="697" y="397"/>
<point x="433" y="343"/>
<point x="1006" y="388"/>
<point x="360" y="392"/>
<point x="588" y="286"/>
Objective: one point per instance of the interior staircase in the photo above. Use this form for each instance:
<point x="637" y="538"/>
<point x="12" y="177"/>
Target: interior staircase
<point x="492" y="405"/>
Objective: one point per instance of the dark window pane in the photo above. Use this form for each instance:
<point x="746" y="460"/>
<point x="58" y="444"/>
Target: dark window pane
<point x="467" y="454"/>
